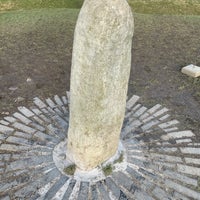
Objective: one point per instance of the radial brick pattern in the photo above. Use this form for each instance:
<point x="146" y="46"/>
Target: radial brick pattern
<point x="163" y="161"/>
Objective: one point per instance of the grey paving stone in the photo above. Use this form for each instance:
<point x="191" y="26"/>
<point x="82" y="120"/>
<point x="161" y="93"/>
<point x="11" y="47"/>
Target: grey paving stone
<point x="164" y="117"/>
<point x="5" y="186"/>
<point x="183" y="141"/>
<point x="38" y="102"/>
<point x="193" y="160"/>
<point x="5" y="198"/>
<point x="68" y="97"/>
<point x="36" y="111"/>
<point x="45" y="137"/>
<point x="178" y="196"/>
<point x="64" y="99"/>
<point x="38" y="120"/>
<point x="60" y="122"/>
<point x="102" y="191"/>
<point x="10" y="119"/>
<point x="161" y="194"/>
<point x="31" y="187"/>
<point x="188" y="169"/>
<point x="182" y="189"/>
<point x="2" y="136"/>
<point x="94" y="193"/>
<point x="13" y="148"/>
<point x="84" y="191"/>
<point x="31" y="162"/>
<point x="3" y="122"/>
<point x="168" y="124"/>
<point x="69" y="189"/>
<point x="135" y="174"/>
<point x="190" y="150"/>
<point x="56" y="132"/>
<point x="24" y="128"/>
<point x="169" y="130"/>
<point x="149" y="125"/>
<point x="49" y="111"/>
<point x="166" y="158"/>
<point x="140" y="111"/>
<point x="154" y="109"/>
<point x="136" y="161"/>
<point x="59" y="112"/>
<point x="65" y="110"/>
<point x="58" y="100"/>
<point x="23" y="135"/>
<point x="177" y="134"/>
<point x="25" y="111"/>
<point x="160" y="112"/>
<point x="146" y="120"/>
<point x="149" y="174"/>
<point x="122" y="180"/>
<point x="113" y="187"/>
<point x="142" y="195"/>
<point x="52" y="191"/>
<point x="180" y="177"/>
<point x="123" y="196"/>
<point x="18" y="140"/>
<point x="47" y="120"/>
<point x="5" y="157"/>
<point x="37" y="126"/>
<point x="6" y="129"/>
<point x="132" y="101"/>
<point x="50" y="103"/>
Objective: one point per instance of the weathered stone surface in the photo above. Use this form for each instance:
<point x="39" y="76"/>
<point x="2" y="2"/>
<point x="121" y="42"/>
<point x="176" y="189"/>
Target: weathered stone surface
<point x="99" y="79"/>
<point x="191" y="70"/>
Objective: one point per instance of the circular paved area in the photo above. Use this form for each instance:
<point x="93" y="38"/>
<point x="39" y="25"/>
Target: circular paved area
<point x="163" y="161"/>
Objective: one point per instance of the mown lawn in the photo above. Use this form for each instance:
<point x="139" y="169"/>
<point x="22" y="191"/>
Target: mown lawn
<point x="186" y="7"/>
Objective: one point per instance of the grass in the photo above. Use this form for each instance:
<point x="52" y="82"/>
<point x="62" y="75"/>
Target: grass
<point x="107" y="170"/>
<point x="186" y="7"/>
<point x="170" y="7"/>
<point x="70" y="170"/>
<point x="35" y="4"/>
<point x="120" y="159"/>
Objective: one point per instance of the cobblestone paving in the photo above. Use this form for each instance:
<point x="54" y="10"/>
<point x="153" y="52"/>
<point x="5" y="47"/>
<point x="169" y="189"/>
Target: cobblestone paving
<point x="163" y="160"/>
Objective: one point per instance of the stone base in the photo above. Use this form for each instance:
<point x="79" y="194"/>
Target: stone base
<point x="159" y="160"/>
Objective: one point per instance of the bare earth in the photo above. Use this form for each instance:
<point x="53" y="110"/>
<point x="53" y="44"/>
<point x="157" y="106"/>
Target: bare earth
<point x="35" y="60"/>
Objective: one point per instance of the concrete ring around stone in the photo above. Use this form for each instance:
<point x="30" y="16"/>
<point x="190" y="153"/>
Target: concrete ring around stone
<point x="156" y="161"/>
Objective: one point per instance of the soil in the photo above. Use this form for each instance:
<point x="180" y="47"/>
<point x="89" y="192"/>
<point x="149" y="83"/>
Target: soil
<point x="35" y="60"/>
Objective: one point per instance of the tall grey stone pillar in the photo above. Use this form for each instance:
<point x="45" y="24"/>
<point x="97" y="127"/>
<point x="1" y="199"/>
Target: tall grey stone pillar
<point x="101" y="63"/>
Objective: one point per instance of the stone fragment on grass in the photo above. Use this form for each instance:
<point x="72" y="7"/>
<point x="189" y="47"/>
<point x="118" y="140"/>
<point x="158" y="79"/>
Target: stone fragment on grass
<point x="191" y="70"/>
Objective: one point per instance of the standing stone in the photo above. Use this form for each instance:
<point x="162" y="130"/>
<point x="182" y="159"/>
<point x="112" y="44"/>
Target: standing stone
<point x="101" y="63"/>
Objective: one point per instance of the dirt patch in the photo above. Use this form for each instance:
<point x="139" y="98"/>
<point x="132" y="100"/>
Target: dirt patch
<point x="35" y="60"/>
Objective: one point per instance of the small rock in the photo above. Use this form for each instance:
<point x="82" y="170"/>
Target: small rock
<point x="13" y="88"/>
<point x="5" y="113"/>
<point x="191" y="70"/>
<point x="28" y="80"/>
<point x="19" y="99"/>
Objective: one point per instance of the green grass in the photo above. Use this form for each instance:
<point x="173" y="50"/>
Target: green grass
<point x="107" y="170"/>
<point x="169" y="7"/>
<point x="70" y="170"/>
<point x="34" y="4"/>
<point x="172" y="7"/>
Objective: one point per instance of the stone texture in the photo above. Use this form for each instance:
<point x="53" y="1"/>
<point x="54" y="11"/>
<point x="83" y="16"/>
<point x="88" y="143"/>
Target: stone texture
<point x="191" y="70"/>
<point x="101" y="64"/>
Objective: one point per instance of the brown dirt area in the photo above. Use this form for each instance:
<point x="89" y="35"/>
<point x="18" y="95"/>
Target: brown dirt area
<point x="35" y="60"/>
